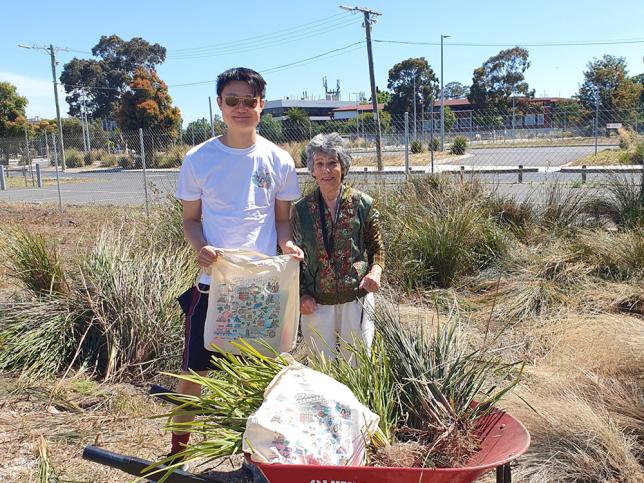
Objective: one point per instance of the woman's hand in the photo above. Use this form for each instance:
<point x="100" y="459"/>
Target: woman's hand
<point x="307" y="305"/>
<point x="291" y="248"/>
<point x="371" y="281"/>
<point x="208" y="255"/>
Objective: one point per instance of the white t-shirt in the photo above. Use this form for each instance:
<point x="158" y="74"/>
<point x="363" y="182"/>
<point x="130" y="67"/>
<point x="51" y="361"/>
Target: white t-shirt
<point x="238" y="189"/>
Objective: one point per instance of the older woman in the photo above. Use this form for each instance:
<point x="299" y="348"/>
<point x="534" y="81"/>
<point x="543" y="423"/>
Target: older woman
<point x="338" y="229"/>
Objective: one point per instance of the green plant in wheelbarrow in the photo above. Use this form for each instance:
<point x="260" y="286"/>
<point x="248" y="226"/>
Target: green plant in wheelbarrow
<point x="431" y="391"/>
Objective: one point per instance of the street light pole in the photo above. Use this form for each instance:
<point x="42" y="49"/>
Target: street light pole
<point x="52" y="53"/>
<point x="415" y="132"/>
<point x="442" y="98"/>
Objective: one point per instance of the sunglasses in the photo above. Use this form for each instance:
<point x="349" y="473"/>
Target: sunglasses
<point x="232" y="101"/>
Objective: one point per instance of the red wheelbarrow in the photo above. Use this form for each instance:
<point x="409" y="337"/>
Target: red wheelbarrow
<point x="503" y="438"/>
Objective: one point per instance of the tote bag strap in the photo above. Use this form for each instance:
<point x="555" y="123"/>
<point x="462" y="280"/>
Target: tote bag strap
<point x="240" y="252"/>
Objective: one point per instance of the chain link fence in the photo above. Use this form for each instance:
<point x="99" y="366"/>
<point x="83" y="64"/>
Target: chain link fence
<point x="519" y="151"/>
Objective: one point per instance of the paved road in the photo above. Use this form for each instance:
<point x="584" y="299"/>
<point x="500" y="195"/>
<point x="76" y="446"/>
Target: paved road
<point x="126" y="187"/>
<point x="513" y="156"/>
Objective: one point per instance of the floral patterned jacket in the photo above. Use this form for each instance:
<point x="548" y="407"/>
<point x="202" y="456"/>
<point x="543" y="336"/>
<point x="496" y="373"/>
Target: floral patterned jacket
<point x="357" y="246"/>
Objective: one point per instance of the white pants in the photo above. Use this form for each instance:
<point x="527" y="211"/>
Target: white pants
<point x="330" y="324"/>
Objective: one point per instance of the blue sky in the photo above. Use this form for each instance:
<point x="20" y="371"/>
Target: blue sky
<point x="301" y="29"/>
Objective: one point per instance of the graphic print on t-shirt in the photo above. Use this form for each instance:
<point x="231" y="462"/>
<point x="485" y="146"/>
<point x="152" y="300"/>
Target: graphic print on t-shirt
<point x="262" y="178"/>
<point x="249" y="310"/>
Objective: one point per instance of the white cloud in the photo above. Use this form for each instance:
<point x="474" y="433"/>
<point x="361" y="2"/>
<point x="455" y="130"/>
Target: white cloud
<point x="39" y="92"/>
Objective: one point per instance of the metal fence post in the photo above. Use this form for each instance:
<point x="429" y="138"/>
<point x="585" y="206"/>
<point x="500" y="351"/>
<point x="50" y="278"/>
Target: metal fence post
<point x="60" y="199"/>
<point x="583" y="174"/>
<point x="3" y="182"/>
<point x="596" y="123"/>
<point x="461" y="173"/>
<point x="38" y="176"/>
<point x="145" y="180"/>
<point x="406" y="142"/>
<point x="520" y="174"/>
<point x="642" y="182"/>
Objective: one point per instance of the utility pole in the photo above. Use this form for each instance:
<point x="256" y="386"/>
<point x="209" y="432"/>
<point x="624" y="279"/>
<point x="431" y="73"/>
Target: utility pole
<point x="89" y="141"/>
<point x="212" y="123"/>
<point x="52" y="53"/>
<point x="442" y="98"/>
<point x="368" y="20"/>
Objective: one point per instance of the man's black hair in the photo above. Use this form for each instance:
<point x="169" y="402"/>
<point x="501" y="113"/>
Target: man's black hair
<point x="252" y="78"/>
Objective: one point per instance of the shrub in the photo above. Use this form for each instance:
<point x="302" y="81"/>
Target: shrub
<point x="35" y="264"/>
<point x="125" y="161"/>
<point x="563" y="207"/>
<point x="624" y="202"/>
<point x="626" y="137"/>
<point x="172" y="157"/>
<point x="638" y="155"/>
<point x="417" y="147"/>
<point x="434" y="145"/>
<point x="459" y="145"/>
<point x="108" y="160"/>
<point x="297" y="150"/>
<point x="439" y="230"/>
<point x="519" y="216"/>
<point x="119" y="315"/>
<point x="73" y="158"/>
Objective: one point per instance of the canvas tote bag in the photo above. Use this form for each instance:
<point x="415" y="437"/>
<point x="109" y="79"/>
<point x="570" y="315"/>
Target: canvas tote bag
<point x="253" y="297"/>
<point x="308" y="418"/>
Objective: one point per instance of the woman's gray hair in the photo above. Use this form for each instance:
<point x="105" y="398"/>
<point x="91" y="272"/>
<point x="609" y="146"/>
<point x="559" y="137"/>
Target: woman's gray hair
<point x="331" y="144"/>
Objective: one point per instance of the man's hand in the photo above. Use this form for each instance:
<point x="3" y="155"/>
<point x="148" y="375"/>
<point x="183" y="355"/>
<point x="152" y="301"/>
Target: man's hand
<point x="208" y="255"/>
<point x="371" y="281"/>
<point x="307" y="305"/>
<point x="291" y="248"/>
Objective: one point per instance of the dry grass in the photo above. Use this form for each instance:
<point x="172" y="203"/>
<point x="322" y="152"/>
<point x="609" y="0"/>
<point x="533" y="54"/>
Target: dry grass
<point x="588" y="395"/>
<point x="586" y="427"/>
<point x="609" y="345"/>
<point x="605" y="157"/>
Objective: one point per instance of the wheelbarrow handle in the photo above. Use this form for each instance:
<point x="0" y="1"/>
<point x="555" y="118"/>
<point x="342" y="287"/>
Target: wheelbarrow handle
<point x="136" y="466"/>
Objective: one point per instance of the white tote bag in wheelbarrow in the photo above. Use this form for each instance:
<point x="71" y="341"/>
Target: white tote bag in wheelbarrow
<point x="308" y="418"/>
<point x="253" y="297"/>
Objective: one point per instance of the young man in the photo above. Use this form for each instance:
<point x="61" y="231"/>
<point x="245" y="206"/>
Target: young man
<point x="236" y="191"/>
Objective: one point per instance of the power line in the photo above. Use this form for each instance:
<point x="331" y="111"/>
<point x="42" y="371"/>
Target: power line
<point x="265" y="45"/>
<point x="313" y="61"/>
<point x="523" y="44"/>
<point x="260" y="37"/>
<point x="281" y="67"/>
<point x="270" y="70"/>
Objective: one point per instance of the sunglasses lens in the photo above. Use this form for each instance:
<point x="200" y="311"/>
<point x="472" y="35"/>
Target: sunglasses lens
<point x="231" y="101"/>
<point x="250" y="102"/>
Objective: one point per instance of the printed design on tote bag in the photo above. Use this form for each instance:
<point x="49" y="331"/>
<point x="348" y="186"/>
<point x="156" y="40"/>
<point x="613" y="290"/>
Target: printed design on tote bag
<point x="262" y="178"/>
<point x="249" y="310"/>
<point x="324" y="421"/>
